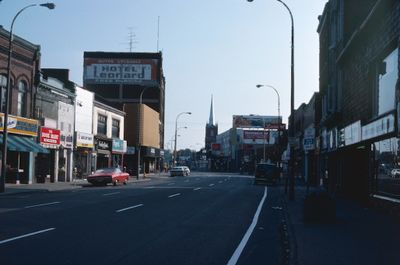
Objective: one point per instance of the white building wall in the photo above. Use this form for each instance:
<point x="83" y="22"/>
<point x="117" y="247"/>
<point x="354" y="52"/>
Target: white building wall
<point x="83" y="110"/>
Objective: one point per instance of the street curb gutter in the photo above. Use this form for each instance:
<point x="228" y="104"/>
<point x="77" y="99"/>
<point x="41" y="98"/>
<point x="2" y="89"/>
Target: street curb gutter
<point x="288" y="236"/>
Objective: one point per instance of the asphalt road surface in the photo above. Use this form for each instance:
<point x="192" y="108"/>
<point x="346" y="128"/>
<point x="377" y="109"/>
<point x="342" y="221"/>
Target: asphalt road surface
<point x="200" y="219"/>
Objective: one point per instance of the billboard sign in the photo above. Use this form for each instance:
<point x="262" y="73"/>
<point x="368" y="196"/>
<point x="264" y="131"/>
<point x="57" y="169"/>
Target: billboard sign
<point x="120" y="71"/>
<point x="254" y="121"/>
<point x="49" y="138"/>
<point x="84" y="140"/>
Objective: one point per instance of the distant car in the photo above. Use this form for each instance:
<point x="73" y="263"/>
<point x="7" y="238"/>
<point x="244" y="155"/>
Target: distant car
<point x="103" y="176"/>
<point x="187" y="170"/>
<point x="179" y="171"/>
<point x="266" y="173"/>
<point x="395" y="172"/>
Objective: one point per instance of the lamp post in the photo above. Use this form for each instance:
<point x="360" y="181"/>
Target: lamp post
<point x="139" y="131"/>
<point x="176" y="134"/>
<point x="291" y="120"/>
<point x="279" y="109"/>
<point x="7" y="103"/>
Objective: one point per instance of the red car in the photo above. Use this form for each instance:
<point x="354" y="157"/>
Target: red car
<point x="104" y="176"/>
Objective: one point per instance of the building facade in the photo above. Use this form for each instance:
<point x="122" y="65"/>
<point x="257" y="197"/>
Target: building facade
<point x="23" y="129"/>
<point x="125" y="80"/>
<point x="359" y="88"/>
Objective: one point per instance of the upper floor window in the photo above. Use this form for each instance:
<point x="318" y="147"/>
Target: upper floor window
<point x="3" y="87"/>
<point x="387" y="78"/>
<point x="115" y="128"/>
<point x="21" y="104"/>
<point x="102" y="124"/>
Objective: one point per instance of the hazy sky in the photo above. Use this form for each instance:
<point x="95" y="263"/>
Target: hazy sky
<point x="219" y="47"/>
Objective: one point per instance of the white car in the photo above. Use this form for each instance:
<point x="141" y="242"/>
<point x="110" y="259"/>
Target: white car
<point x="395" y="172"/>
<point x="179" y="171"/>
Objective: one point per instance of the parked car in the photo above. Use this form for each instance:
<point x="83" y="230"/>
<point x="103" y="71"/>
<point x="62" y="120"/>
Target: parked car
<point x="395" y="172"/>
<point x="103" y="176"/>
<point x="179" y="171"/>
<point x="266" y="173"/>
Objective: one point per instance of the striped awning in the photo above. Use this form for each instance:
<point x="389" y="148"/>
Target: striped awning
<point x="23" y="144"/>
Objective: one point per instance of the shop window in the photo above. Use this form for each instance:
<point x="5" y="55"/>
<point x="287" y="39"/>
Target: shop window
<point x="102" y="124"/>
<point x="115" y="128"/>
<point x="21" y="104"/>
<point x="387" y="77"/>
<point x="387" y="173"/>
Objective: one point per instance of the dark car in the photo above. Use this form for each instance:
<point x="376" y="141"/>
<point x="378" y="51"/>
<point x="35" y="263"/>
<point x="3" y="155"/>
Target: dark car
<point x="103" y="176"/>
<point x="266" y="173"/>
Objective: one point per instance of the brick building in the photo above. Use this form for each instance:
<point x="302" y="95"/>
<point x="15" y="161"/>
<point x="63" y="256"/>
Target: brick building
<point x="359" y="70"/>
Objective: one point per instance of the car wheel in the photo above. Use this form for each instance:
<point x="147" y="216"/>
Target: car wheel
<point x="125" y="181"/>
<point x="115" y="183"/>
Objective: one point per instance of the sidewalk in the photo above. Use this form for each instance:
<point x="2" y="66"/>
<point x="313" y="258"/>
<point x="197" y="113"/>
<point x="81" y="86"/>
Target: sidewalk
<point x="358" y="236"/>
<point x="11" y="189"/>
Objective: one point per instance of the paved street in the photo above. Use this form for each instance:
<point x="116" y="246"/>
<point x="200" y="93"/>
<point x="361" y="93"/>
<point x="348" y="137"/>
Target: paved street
<point x="200" y="219"/>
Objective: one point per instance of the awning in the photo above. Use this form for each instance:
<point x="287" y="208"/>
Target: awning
<point x="23" y="144"/>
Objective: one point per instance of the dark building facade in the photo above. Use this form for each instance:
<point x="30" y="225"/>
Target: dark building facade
<point x="359" y="88"/>
<point x="123" y="78"/>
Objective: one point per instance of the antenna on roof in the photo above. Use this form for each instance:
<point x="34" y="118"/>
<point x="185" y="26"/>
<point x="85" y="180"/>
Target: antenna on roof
<point x="132" y="39"/>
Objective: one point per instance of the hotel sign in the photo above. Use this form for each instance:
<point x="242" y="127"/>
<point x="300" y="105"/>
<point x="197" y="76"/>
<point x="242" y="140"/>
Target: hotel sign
<point x="120" y="71"/>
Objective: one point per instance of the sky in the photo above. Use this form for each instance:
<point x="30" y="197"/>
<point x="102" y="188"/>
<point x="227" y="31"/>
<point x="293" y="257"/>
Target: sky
<point x="219" y="48"/>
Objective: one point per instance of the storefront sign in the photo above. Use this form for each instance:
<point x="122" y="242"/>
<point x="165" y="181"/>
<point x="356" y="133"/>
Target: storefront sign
<point x="119" y="146"/>
<point x="379" y="127"/>
<point x="84" y="140"/>
<point x="19" y="125"/>
<point x="309" y="139"/>
<point x="49" y="138"/>
<point x="352" y="133"/>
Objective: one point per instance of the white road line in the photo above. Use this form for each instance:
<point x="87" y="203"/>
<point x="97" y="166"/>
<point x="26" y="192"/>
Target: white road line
<point x="197" y="189"/>
<point x="211" y="185"/>
<point x="174" y="195"/>
<point x="26" y="235"/>
<point x="235" y="257"/>
<point x="219" y="181"/>
<point x="111" y="193"/>
<point x="129" y="208"/>
<point x="40" y="205"/>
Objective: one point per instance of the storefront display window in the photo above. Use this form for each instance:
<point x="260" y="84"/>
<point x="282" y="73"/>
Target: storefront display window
<point x="387" y="173"/>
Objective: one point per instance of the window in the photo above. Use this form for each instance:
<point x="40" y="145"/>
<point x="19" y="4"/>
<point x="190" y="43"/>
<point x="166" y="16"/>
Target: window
<point x="115" y="128"/>
<point x="102" y="124"/>
<point x="3" y="87"/>
<point x="21" y="104"/>
<point x="387" y="77"/>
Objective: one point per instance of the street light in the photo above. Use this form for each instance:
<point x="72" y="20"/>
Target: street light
<point x="279" y="109"/>
<point x="291" y="129"/>
<point x="5" y="121"/>
<point x="139" y="132"/>
<point x="176" y="133"/>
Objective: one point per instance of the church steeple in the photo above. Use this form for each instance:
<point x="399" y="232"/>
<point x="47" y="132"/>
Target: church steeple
<point x="211" y="119"/>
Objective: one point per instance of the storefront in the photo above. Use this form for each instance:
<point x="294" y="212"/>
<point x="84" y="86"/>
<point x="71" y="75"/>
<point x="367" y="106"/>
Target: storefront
<point x="21" y="146"/>
<point x="119" y="148"/>
<point x="103" y="149"/>
<point x="84" y="143"/>
<point x="47" y="164"/>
